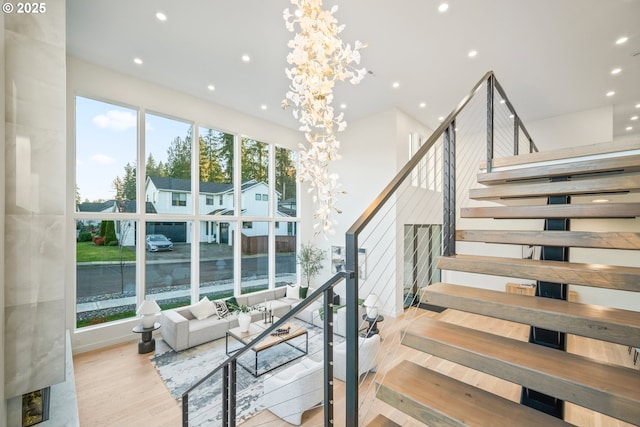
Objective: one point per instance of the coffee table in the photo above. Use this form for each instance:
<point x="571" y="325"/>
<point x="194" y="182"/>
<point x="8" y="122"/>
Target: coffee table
<point x="270" y="342"/>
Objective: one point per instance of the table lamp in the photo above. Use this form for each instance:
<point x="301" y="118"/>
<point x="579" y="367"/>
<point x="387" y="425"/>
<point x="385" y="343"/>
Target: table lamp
<point x="371" y="305"/>
<point x="149" y="310"/>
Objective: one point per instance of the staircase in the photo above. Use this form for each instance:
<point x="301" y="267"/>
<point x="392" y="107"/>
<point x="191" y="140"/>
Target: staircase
<point x="519" y="184"/>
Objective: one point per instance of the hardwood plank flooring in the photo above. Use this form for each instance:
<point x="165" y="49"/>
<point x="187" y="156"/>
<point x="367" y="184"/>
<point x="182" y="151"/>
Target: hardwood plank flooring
<point x="118" y="387"/>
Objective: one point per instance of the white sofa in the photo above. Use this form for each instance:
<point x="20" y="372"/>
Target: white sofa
<point x="299" y="387"/>
<point x="181" y="329"/>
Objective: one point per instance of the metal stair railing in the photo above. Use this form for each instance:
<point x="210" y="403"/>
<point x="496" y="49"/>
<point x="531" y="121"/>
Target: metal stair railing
<point x="228" y="367"/>
<point x="504" y="134"/>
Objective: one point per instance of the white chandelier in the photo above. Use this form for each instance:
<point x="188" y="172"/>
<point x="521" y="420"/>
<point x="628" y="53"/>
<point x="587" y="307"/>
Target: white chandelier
<point x="318" y="59"/>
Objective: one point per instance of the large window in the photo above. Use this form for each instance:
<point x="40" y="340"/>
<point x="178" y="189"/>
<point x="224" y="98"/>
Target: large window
<point x="239" y="222"/>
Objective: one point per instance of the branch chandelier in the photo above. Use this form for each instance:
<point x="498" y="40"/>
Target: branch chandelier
<point x="318" y="59"/>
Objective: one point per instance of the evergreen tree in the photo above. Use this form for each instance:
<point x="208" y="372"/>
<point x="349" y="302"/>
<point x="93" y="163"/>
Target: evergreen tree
<point x="285" y="173"/>
<point x="179" y="157"/>
<point x="255" y="161"/>
<point x="110" y="238"/>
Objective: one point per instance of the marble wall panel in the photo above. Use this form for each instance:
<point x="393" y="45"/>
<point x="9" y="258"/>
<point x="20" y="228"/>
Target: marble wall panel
<point x="34" y="349"/>
<point x="49" y="26"/>
<point x="34" y="265"/>
<point x="37" y="98"/>
<point x="34" y="171"/>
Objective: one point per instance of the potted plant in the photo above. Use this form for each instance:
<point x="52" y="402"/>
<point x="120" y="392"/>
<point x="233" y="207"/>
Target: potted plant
<point x="310" y="259"/>
<point x="244" y="318"/>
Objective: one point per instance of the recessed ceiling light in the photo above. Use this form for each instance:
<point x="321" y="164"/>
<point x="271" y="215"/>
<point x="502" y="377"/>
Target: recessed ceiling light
<point x="628" y="128"/>
<point x="396" y="85"/>
<point x="502" y="101"/>
<point x="622" y="40"/>
<point x="137" y="61"/>
<point x="511" y="116"/>
<point x="441" y="119"/>
<point x="600" y="200"/>
<point x="264" y="107"/>
<point x="616" y="71"/>
<point x="443" y="7"/>
<point x="611" y="93"/>
<point x="343" y="106"/>
<point x="634" y="118"/>
<point x="161" y="16"/>
<point x="637" y="105"/>
<point x="211" y="87"/>
<point x="246" y="58"/>
<point x="422" y="104"/>
<point x="472" y="53"/>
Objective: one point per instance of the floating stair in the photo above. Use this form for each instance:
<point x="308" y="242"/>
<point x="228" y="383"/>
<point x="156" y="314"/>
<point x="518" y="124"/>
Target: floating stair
<point x="611" y="390"/>
<point x="612" y="325"/>
<point x="438" y="400"/>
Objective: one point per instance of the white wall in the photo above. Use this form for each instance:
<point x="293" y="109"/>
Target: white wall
<point x="87" y="79"/>
<point x="570" y="130"/>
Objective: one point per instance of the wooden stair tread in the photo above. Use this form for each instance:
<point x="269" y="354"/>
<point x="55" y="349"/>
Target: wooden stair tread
<point x="602" y="323"/>
<point x="611" y="390"/>
<point x="382" y="421"/>
<point x="606" y="210"/>
<point x="575" y="239"/>
<point x="438" y="400"/>
<point x="600" y="185"/>
<point x="619" y="164"/>
<point x="595" y="275"/>
<point x="569" y="153"/>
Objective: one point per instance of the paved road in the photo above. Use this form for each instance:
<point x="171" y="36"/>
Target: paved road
<point x="99" y="279"/>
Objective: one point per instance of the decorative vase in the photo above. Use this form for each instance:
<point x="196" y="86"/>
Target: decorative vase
<point x="244" y="320"/>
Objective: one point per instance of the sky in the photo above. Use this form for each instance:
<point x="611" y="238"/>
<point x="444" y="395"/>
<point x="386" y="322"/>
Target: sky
<point x="106" y="139"/>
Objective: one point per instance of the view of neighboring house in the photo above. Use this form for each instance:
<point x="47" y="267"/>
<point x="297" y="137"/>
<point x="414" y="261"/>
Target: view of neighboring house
<point x="166" y="195"/>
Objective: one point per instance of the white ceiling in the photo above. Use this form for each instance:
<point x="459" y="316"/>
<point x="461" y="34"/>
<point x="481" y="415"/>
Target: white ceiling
<point x="551" y="56"/>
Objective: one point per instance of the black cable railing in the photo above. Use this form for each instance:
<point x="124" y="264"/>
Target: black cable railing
<point x="446" y="132"/>
<point x="228" y="368"/>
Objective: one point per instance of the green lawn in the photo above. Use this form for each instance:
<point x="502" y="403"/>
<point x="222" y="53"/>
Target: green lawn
<point x="89" y="252"/>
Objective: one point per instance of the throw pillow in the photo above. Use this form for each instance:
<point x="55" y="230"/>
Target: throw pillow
<point x="232" y="304"/>
<point x="303" y="292"/>
<point x="293" y="292"/>
<point x="221" y="308"/>
<point x="202" y="309"/>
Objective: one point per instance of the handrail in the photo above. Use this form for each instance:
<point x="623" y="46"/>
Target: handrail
<point x="446" y="128"/>
<point x="329" y="284"/>
<point x="379" y="201"/>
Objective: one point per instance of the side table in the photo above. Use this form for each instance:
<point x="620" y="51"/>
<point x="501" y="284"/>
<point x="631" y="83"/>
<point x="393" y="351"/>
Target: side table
<point x="147" y="343"/>
<point x="373" y="325"/>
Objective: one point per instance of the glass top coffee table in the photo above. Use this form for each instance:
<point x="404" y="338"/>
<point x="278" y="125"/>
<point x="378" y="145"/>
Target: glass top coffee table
<point x="269" y="347"/>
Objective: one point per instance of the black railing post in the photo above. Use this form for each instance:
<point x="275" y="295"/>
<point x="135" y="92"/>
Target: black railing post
<point x="490" y="87"/>
<point x="233" y="371"/>
<point x="185" y="410"/>
<point x="449" y="191"/>
<point x="328" y="357"/>
<point x="516" y="135"/>
<point x="351" y="383"/>
<point x="225" y="396"/>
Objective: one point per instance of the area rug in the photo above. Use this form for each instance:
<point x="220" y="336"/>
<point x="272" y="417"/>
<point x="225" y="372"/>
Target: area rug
<point x="180" y="370"/>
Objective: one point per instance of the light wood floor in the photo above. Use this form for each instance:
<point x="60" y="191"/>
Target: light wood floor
<point x="118" y="387"/>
